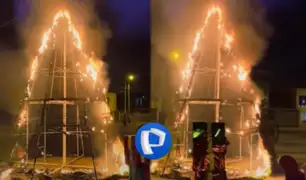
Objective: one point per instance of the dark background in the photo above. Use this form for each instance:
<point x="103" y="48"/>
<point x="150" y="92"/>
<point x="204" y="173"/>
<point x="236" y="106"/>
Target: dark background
<point x="284" y="61"/>
<point x="129" y="49"/>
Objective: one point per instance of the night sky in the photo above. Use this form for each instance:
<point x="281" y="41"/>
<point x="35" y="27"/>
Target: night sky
<point x="129" y="49"/>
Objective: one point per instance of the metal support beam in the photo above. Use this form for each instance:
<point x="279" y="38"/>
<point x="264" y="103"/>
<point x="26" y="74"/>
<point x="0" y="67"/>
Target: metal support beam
<point x="64" y="150"/>
<point x="215" y="101"/>
<point x="27" y="133"/>
<point x="187" y="131"/>
<point x="205" y="71"/>
<point x="68" y="101"/>
<point x="217" y="81"/>
<point x="201" y="101"/>
<point x="53" y="102"/>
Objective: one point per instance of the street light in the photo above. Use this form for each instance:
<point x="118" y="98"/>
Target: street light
<point x="127" y="92"/>
<point x="174" y="56"/>
<point x="131" y="77"/>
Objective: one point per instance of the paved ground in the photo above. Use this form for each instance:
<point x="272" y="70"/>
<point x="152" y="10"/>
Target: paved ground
<point x="85" y="163"/>
<point x="291" y="142"/>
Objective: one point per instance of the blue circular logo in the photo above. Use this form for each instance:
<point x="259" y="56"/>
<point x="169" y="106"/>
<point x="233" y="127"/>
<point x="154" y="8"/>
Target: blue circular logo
<point x="153" y="141"/>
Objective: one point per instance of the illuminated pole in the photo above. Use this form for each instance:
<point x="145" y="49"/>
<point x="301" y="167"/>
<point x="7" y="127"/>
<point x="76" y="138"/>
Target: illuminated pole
<point x="129" y="97"/>
<point x="77" y="120"/>
<point x="106" y="154"/>
<point x="217" y="85"/>
<point x="45" y="134"/>
<point x="125" y="92"/>
<point x="27" y="133"/>
<point x="241" y="128"/>
<point x="64" y="106"/>
<point x="187" y="132"/>
<point x="130" y="78"/>
<point x="251" y="154"/>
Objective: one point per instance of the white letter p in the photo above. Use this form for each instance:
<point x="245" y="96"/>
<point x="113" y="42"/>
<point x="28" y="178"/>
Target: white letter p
<point x="145" y="144"/>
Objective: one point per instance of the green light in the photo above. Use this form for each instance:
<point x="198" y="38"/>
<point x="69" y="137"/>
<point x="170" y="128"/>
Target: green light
<point x="197" y="133"/>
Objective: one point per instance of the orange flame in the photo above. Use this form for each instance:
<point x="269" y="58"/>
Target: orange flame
<point x="265" y="169"/>
<point x="242" y="73"/>
<point x="190" y="64"/>
<point x="118" y="150"/>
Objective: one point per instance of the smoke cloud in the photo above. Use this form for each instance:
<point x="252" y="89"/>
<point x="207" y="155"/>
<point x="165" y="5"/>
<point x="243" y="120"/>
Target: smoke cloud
<point x="250" y="28"/>
<point x="13" y="81"/>
<point x="252" y="33"/>
<point x="94" y="33"/>
<point x="171" y="31"/>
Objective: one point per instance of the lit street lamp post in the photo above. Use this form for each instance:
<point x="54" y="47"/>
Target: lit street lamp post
<point x="127" y="93"/>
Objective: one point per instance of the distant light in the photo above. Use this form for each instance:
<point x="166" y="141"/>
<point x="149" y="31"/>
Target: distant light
<point x="227" y="130"/>
<point x="176" y="55"/>
<point x="131" y="77"/>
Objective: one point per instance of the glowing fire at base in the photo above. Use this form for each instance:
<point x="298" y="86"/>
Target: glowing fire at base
<point x="263" y="155"/>
<point x="118" y="150"/>
<point x="124" y="169"/>
<point x="6" y="174"/>
<point x="265" y="169"/>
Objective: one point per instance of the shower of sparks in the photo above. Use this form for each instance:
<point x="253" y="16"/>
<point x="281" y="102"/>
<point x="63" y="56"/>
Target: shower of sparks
<point x="263" y="155"/>
<point x="92" y="68"/>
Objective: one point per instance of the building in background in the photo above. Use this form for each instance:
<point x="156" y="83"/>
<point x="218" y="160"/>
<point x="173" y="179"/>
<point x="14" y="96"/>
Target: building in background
<point x="301" y="105"/>
<point x="139" y="102"/>
<point x="112" y="101"/>
<point x="287" y="100"/>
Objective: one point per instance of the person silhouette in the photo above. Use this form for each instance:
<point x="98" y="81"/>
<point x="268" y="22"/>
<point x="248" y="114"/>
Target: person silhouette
<point x="291" y="168"/>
